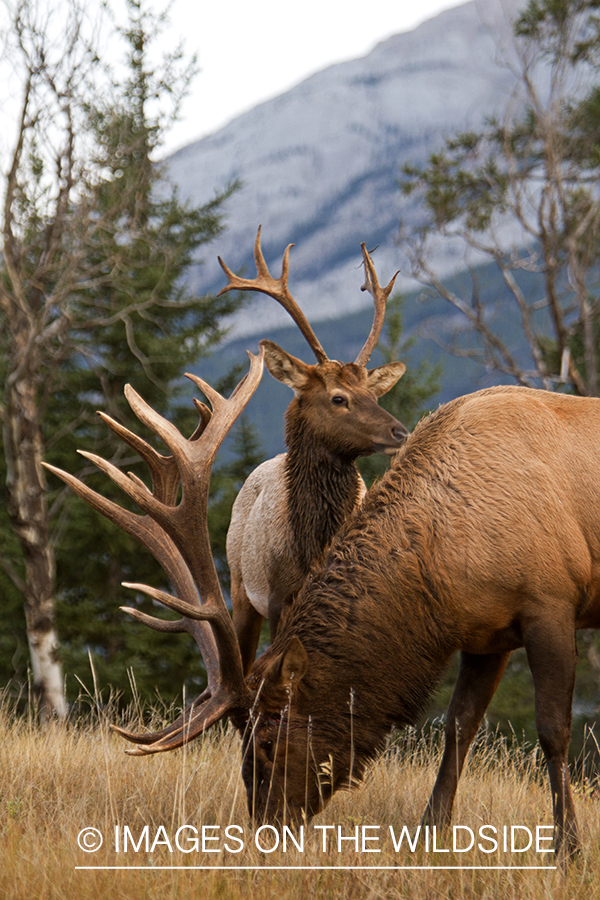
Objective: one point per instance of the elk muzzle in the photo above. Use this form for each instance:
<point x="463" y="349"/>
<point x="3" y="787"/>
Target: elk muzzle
<point x="393" y="435"/>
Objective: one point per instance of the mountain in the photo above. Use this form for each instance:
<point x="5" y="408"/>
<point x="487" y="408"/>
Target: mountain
<point x="320" y="163"/>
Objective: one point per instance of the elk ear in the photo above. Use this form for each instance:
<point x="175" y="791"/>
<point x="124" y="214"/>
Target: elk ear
<point x="285" y="367"/>
<point x="294" y="662"/>
<point x="289" y="668"/>
<point x="383" y="378"/>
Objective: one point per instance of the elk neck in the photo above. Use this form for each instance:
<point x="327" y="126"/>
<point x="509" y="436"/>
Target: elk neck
<point x="323" y="487"/>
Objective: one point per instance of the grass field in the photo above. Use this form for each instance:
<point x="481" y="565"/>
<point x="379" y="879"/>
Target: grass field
<point x="57" y="781"/>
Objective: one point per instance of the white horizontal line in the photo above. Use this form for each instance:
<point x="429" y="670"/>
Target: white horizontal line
<point x="310" y="868"/>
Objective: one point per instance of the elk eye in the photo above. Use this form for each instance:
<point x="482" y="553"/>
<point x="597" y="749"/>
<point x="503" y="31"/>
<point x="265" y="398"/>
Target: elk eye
<point x="339" y="400"/>
<point x="267" y="746"/>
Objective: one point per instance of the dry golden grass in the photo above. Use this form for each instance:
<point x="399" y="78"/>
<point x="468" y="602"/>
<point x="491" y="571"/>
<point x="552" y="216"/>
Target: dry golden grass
<point x="56" y="781"/>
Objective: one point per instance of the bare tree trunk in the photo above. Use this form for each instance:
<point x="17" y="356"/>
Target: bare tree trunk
<point x="28" y="513"/>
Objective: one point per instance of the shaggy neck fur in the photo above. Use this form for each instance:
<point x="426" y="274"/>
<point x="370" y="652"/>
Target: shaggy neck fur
<point x="322" y="490"/>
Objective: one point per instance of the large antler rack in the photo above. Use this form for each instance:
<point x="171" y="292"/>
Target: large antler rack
<point x="177" y="536"/>
<point x="277" y="288"/>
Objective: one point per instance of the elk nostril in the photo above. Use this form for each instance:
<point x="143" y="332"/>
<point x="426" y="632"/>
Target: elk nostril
<point x="399" y="433"/>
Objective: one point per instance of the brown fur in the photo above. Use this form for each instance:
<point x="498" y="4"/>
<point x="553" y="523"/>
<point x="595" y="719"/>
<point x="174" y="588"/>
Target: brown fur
<point x="483" y="537"/>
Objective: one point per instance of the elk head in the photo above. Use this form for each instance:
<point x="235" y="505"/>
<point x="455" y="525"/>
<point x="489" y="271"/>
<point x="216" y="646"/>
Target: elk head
<point x="335" y="403"/>
<point x="297" y="750"/>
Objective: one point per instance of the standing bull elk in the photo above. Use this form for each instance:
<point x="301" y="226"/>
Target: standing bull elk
<point x="290" y="507"/>
<point x="484" y="536"/>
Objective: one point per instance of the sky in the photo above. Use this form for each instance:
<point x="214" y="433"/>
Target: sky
<point x="248" y="51"/>
<point x="251" y="50"/>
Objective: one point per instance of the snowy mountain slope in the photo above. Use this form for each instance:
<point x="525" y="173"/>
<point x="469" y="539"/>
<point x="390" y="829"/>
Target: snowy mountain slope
<point x="320" y="163"/>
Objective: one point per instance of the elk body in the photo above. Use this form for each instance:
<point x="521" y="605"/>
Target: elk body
<point x="290" y="507"/>
<point x="484" y="536"/>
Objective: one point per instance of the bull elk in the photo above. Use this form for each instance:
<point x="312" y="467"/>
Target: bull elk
<point x="290" y="507"/>
<point x="484" y="536"/>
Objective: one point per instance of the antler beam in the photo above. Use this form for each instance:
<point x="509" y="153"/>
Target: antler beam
<point x="276" y="288"/>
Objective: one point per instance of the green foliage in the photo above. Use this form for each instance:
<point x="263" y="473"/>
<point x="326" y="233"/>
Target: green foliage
<point x="465" y="181"/>
<point x="549" y="24"/>
<point x="155" y="331"/>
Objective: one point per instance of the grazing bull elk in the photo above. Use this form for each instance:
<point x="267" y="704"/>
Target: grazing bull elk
<point x="484" y="536"/>
<point x="291" y="506"/>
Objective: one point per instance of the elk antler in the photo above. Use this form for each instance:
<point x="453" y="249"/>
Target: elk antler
<point x="276" y="288"/>
<point x="177" y="536"/>
<point x="380" y="297"/>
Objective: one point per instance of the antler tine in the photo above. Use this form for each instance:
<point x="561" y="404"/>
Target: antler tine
<point x="277" y="289"/>
<point x="148" y="533"/>
<point x="189" y="610"/>
<point x="165" y="475"/>
<point x="151" y="738"/>
<point x="380" y="297"/>
<point x="178" y="538"/>
<point x="190" y="725"/>
<point x="164" y="470"/>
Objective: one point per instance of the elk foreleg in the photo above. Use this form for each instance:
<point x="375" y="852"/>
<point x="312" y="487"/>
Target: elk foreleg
<point x="477" y="681"/>
<point x="280" y="600"/>
<point x="276" y="607"/>
<point x="552" y="654"/>
<point x="247" y="623"/>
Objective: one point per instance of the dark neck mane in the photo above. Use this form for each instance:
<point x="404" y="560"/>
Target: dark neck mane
<point x="322" y="490"/>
